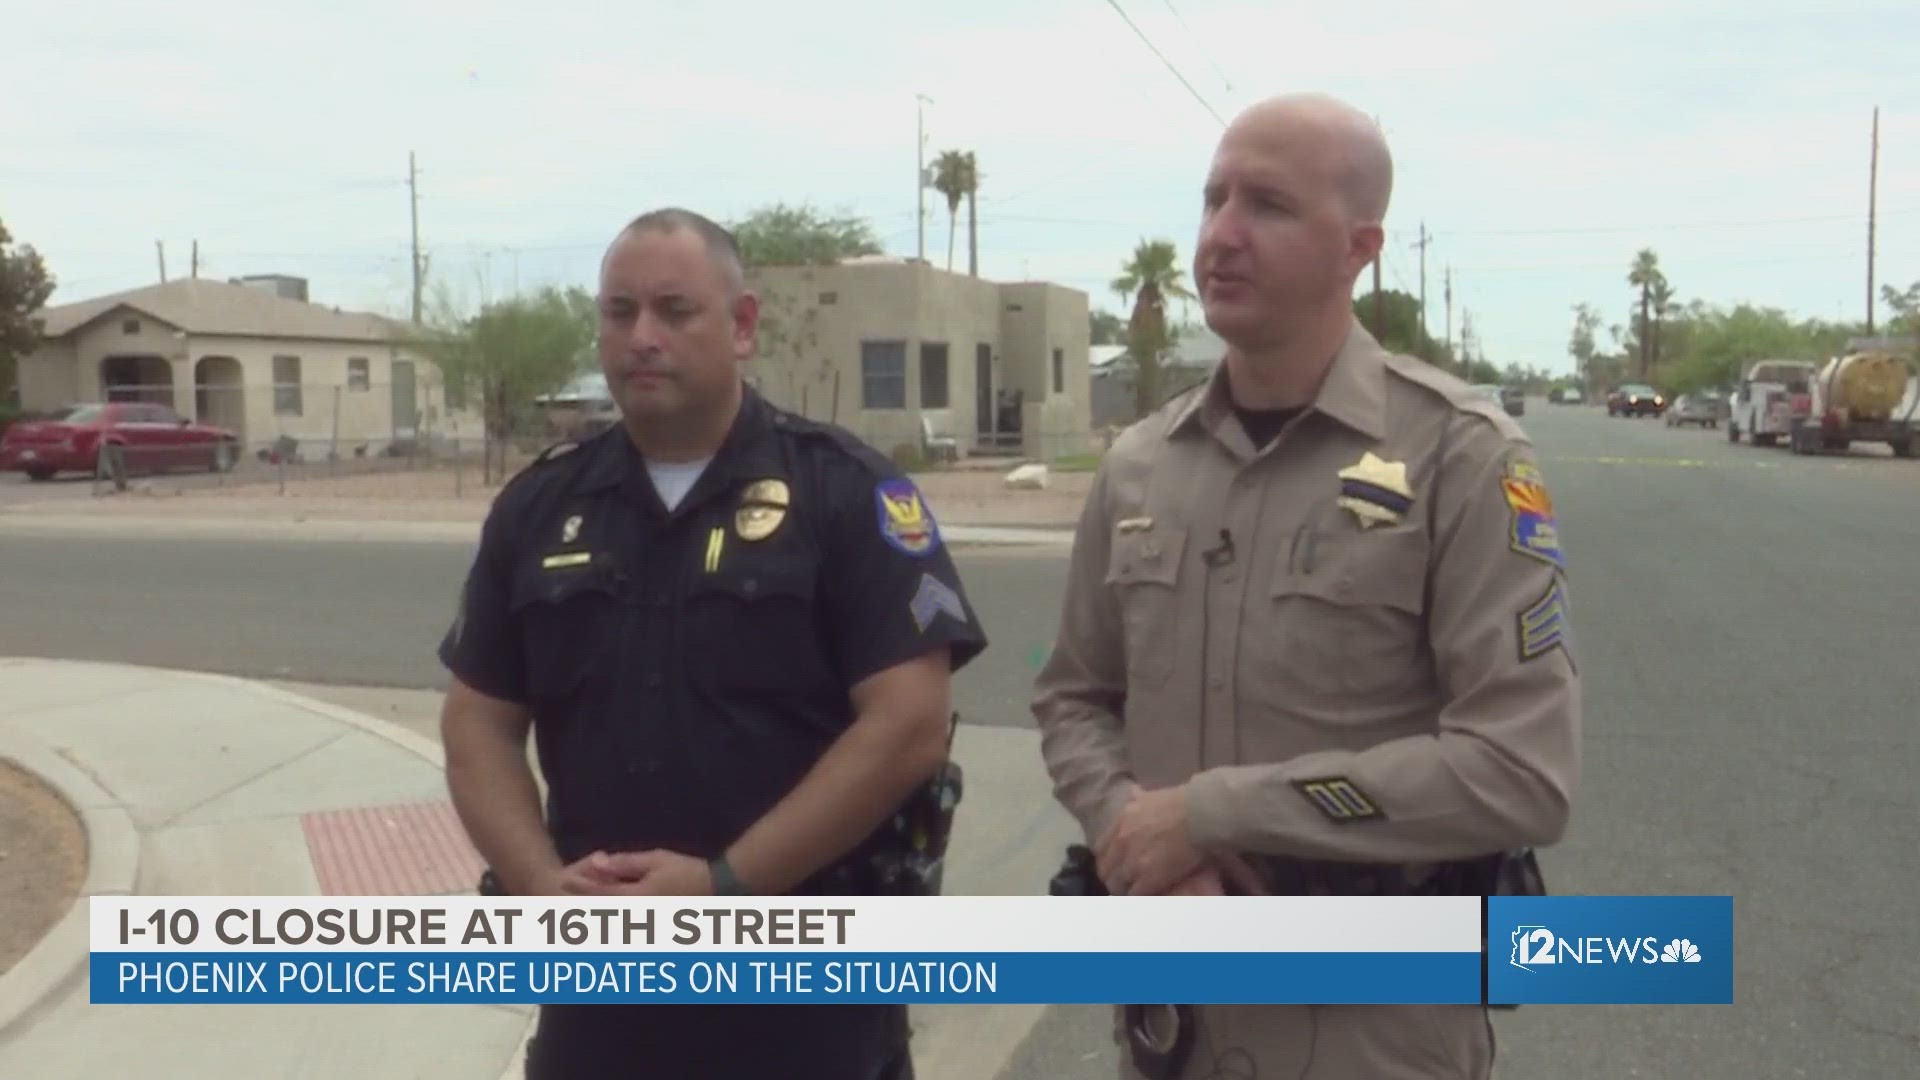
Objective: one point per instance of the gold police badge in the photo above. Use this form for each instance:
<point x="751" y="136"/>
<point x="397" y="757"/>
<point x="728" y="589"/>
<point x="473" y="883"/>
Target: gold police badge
<point x="763" y="506"/>
<point x="1375" y="490"/>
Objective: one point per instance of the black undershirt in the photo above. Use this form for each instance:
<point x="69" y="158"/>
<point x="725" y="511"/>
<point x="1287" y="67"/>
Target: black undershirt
<point x="1263" y="425"/>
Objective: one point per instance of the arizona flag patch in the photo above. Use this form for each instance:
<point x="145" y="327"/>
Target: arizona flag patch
<point x="1533" y="531"/>
<point x="905" y="521"/>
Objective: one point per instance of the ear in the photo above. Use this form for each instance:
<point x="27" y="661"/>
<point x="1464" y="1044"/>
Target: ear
<point x="1365" y="244"/>
<point x="746" y="323"/>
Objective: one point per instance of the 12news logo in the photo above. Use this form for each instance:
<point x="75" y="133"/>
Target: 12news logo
<point x="1537" y="945"/>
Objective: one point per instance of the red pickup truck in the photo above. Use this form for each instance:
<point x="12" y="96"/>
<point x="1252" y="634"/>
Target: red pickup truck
<point x="138" y="438"/>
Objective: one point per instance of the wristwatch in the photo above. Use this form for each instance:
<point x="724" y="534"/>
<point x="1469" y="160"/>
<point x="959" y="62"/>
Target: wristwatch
<point x="725" y="881"/>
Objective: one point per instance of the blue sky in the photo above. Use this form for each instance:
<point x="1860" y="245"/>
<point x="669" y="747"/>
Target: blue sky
<point x="1539" y="147"/>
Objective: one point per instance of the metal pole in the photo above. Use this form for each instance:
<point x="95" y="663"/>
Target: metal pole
<point x="920" y="170"/>
<point x="1873" y="201"/>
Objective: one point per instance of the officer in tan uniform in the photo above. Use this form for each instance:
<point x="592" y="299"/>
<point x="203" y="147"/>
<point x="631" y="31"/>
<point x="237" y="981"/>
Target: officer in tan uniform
<point x="1315" y="637"/>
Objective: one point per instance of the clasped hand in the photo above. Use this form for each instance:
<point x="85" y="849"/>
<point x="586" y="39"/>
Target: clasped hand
<point x="1147" y="852"/>
<point x="633" y="873"/>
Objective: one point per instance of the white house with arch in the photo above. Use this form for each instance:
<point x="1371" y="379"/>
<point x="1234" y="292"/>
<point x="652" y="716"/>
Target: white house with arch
<point x="251" y="355"/>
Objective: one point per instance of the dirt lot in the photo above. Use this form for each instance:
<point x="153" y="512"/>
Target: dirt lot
<point x="43" y="861"/>
<point x="958" y="497"/>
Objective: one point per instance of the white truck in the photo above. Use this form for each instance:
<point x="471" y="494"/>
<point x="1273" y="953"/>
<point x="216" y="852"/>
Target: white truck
<point x="1868" y="395"/>
<point x="1762" y="404"/>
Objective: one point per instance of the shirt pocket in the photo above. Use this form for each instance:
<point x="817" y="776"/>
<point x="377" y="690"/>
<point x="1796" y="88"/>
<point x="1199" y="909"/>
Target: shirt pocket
<point x="752" y="629"/>
<point x="1351" y="626"/>
<point x="570" y="622"/>
<point x="1143" y="572"/>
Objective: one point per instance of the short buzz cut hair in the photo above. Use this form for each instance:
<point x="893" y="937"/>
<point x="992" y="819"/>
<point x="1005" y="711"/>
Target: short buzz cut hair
<point x="721" y="245"/>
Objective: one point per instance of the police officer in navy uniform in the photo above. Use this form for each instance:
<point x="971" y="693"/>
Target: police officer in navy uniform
<point x="732" y="631"/>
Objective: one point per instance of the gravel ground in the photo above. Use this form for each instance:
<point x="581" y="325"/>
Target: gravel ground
<point x="43" y="861"/>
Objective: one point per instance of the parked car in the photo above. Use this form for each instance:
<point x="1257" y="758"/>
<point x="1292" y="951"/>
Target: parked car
<point x="125" y="436"/>
<point x="1636" y="399"/>
<point x="1514" y="400"/>
<point x="1702" y="407"/>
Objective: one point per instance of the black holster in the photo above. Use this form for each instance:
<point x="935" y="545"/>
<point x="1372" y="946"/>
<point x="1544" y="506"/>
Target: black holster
<point x="1159" y="1037"/>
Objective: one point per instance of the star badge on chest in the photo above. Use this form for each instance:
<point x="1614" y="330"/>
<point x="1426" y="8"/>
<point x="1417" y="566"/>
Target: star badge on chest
<point x="1376" y="491"/>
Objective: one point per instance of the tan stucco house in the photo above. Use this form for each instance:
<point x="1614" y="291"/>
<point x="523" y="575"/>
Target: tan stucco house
<point x="251" y="355"/>
<point x="905" y="355"/>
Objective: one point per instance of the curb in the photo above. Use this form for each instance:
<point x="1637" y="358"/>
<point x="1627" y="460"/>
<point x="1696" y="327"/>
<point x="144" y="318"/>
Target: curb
<point x="113" y="869"/>
<point x="113" y="843"/>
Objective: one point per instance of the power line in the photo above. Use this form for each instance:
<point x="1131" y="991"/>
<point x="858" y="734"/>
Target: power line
<point x="1115" y="5"/>
<point x="1224" y="81"/>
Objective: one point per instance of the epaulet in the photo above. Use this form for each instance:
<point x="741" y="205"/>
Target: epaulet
<point x="1455" y="392"/>
<point x="824" y="434"/>
<point x="556" y="450"/>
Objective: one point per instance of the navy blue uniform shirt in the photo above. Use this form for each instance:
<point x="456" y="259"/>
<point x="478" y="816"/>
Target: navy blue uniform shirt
<point x="686" y="669"/>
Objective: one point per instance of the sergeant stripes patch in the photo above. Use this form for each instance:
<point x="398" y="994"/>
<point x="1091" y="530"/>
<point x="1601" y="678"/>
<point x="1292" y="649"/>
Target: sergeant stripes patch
<point x="1338" y="798"/>
<point x="1543" y="626"/>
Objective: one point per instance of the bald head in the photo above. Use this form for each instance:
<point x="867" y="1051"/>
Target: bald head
<point x="1323" y="129"/>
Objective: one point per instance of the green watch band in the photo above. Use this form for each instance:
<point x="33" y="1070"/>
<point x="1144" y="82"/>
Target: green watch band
<point x="725" y="881"/>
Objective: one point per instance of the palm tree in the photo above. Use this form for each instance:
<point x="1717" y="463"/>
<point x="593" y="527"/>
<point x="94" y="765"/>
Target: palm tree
<point x="1662" y="303"/>
<point x="1645" y="275"/>
<point x="1149" y="279"/>
<point x="954" y="177"/>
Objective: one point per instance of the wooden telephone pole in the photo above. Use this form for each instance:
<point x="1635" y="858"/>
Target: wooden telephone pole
<point x="1422" y="245"/>
<point x="1873" y="200"/>
<point x="413" y="198"/>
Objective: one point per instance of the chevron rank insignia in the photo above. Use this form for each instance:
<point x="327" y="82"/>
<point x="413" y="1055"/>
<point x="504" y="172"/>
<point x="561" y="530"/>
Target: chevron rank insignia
<point x="1375" y="490"/>
<point x="933" y="598"/>
<point x="1543" y="625"/>
<point x="1339" y="799"/>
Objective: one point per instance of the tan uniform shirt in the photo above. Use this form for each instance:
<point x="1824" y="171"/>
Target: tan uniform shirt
<point x="1350" y="645"/>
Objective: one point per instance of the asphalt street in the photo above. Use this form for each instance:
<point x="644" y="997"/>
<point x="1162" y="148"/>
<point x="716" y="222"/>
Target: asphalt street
<point x="1744" y="621"/>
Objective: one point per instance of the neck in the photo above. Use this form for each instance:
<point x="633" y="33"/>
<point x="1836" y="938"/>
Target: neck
<point x="1286" y="374"/>
<point x="685" y="437"/>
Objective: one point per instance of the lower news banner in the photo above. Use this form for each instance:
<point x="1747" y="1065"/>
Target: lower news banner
<point x="964" y="950"/>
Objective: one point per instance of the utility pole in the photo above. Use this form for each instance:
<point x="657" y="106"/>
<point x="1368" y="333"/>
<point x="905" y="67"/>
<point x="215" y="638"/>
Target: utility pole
<point x="1873" y="201"/>
<point x="1449" y="308"/>
<point x="413" y="199"/>
<point x="196" y="260"/>
<point x="1379" y="301"/>
<point x="1422" y="245"/>
<point x="920" y="169"/>
<point x="160" y="248"/>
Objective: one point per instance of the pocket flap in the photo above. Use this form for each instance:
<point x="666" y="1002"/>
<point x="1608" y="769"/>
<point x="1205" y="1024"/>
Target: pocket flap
<point x="542" y="583"/>
<point x="757" y="583"/>
<point x="1374" y="568"/>
<point x="1150" y="557"/>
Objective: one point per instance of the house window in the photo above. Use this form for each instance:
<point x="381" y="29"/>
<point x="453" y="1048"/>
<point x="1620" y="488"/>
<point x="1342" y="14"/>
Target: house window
<point x="1059" y="371"/>
<point x="827" y="298"/>
<point x="131" y="326"/>
<point x="359" y="373"/>
<point x="883" y="374"/>
<point x="286" y="386"/>
<point x="933" y="375"/>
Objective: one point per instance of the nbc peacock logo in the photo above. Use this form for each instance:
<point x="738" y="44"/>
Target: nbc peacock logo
<point x="1680" y="951"/>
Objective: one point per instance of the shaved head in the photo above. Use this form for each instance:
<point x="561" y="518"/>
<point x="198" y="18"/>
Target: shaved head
<point x="1296" y="200"/>
<point x="1344" y="140"/>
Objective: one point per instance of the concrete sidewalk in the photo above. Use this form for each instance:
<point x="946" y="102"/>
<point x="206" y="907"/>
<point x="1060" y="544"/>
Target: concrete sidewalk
<point x="195" y="784"/>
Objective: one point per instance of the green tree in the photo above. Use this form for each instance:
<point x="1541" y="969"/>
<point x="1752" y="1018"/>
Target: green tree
<point x="1393" y="318"/>
<point x="511" y="352"/>
<point x="956" y="177"/>
<point x="1105" y="328"/>
<point x="1582" y="346"/>
<point x="1645" y="276"/>
<point x="1150" y="278"/>
<point x="1905" y="305"/>
<point x="25" y="286"/>
<point x="786" y="235"/>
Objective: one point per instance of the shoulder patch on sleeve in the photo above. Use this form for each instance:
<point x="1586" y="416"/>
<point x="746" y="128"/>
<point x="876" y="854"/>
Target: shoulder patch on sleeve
<point x="905" y="522"/>
<point x="1532" y="530"/>
<point x="1339" y="799"/>
<point x="1543" y="625"/>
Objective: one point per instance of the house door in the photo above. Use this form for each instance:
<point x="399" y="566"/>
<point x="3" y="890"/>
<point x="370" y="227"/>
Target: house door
<point x="983" y="392"/>
<point x="406" y="412"/>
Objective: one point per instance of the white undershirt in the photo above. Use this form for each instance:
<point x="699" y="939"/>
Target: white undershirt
<point x="673" y="479"/>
